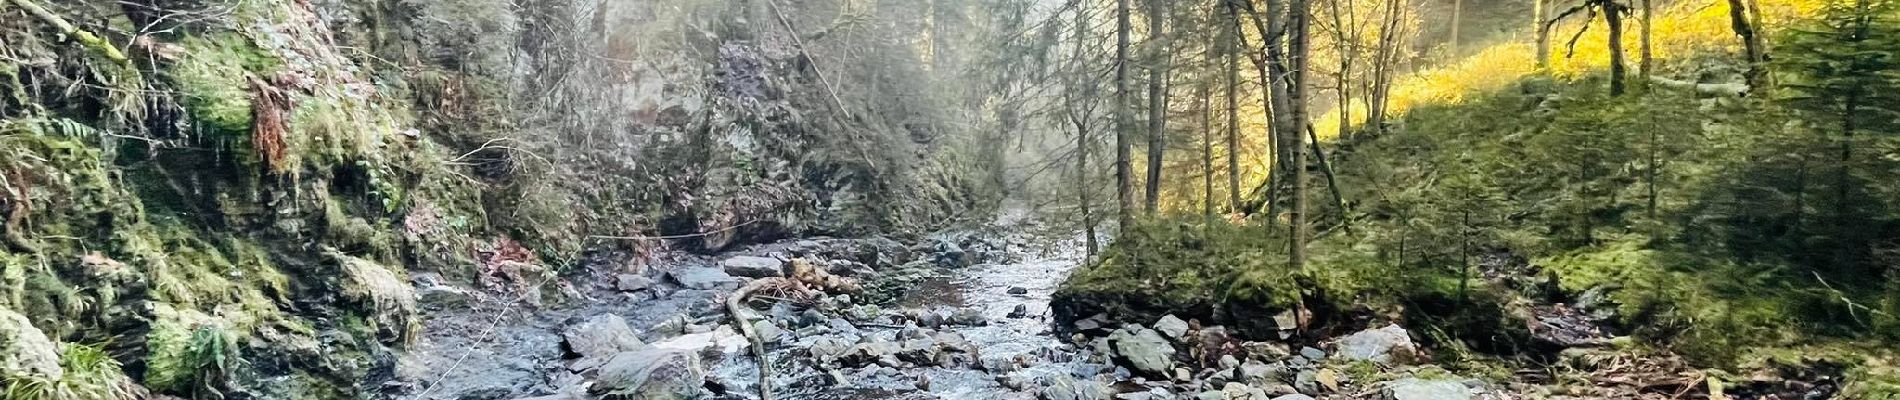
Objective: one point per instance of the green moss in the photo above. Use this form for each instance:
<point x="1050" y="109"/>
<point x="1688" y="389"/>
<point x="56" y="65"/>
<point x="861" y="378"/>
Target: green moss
<point x="213" y="77"/>
<point x="89" y="373"/>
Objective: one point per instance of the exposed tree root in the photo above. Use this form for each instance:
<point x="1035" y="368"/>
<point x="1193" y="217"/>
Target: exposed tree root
<point x="804" y="285"/>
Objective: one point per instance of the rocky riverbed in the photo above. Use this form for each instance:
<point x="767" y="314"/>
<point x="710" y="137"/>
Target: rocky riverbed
<point x="956" y="315"/>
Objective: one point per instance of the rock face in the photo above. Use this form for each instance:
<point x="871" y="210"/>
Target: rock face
<point x="753" y="267"/>
<point x="1423" y="389"/>
<point x="24" y="350"/>
<point x="658" y="374"/>
<point x="601" y="336"/>
<point x="1388" y="344"/>
<point x="1144" y="349"/>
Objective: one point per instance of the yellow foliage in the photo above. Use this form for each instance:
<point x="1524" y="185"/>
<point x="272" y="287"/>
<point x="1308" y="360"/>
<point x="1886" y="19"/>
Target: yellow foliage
<point x="1680" y="29"/>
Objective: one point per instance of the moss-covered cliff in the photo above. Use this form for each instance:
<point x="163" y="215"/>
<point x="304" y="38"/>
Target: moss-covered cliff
<point x="224" y="198"/>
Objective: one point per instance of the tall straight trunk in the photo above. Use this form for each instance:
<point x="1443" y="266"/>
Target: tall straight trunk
<point x="1457" y="17"/>
<point x="1124" y="145"/>
<point x="1613" y="15"/>
<point x="1157" y="98"/>
<point x="1740" y="20"/>
<point x="1384" y="58"/>
<point x="1298" y="45"/>
<point x="1343" y="47"/>
<point x="1082" y="140"/>
<point x="1540" y="11"/>
<point x="1231" y="51"/>
<point x="1647" y="65"/>
<point x="1650" y="172"/>
<point x="1842" y="177"/>
<point x="1272" y="70"/>
<point x="1207" y="150"/>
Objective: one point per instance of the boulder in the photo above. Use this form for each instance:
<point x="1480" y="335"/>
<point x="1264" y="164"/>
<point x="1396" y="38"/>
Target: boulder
<point x="1144" y="349"/>
<point x="703" y="278"/>
<point x="1021" y="311"/>
<point x="1295" y="396"/>
<point x="1312" y="353"/>
<point x="1427" y="389"/>
<point x="601" y="336"/>
<point x="1258" y="373"/>
<point x="25" y="351"/>
<point x="1384" y="345"/>
<point x="1239" y="391"/>
<point x="1172" y="326"/>
<point x="968" y="317"/>
<point x="658" y="374"/>
<point x="753" y="267"/>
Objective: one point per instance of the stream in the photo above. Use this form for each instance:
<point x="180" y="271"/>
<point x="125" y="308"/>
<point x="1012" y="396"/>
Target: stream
<point x="981" y="296"/>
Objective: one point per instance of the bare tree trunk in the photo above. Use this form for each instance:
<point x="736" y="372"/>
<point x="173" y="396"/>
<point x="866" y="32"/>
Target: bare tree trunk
<point x="1299" y="48"/>
<point x="1124" y="145"/>
<point x="1540" y="12"/>
<point x="1339" y="200"/>
<point x="1231" y="50"/>
<point x="1207" y="149"/>
<point x="1457" y="16"/>
<point x="1647" y="65"/>
<point x="1740" y="20"/>
<point x="1161" y="57"/>
<point x="1385" y="58"/>
<point x="1613" y="15"/>
<point x="1080" y="118"/>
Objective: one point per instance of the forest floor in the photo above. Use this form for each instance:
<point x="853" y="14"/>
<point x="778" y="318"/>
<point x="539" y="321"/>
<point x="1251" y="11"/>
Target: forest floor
<point x="964" y="315"/>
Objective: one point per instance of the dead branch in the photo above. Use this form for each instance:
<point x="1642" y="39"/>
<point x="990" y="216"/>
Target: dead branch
<point x="86" y="38"/>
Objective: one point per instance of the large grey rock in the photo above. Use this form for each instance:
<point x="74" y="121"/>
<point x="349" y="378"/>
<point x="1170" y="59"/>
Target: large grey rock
<point x="1256" y="372"/>
<point x="601" y="336"/>
<point x="659" y="374"/>
<point x="827" y="349"/>
<point x="25" y="351"/>
<point x="1144" y="349"/>
<point x="968" y="317"/>
<point x="632" y="282"/>
<point x="753" y="267"/>
<point x="1427" y="389"/>
<point x="1172" y="326"/>
<point x="1063" y="387"/>
<point x="1388" y="344"/>
<point x="703" y="278"/>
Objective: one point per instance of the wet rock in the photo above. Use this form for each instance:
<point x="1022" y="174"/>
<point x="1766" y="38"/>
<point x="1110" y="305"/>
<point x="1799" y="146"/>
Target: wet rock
<point x="25" y="351"/>
<point x="1211" y="395"/>
<point x="1427" y="389"/>
<point x="1061" y="387"/>
<point x="768" y="331"/>
<point x="928" y="319"/>
<point x="719" y="341"/>
<point x="652" y="374"/>
<point x="1312" y="353"/>
<point x="632" y="282"/>
<point x="968" y="317"/>
<point x="703" y="278"/>
<point x="828" y="349"/>
<point x="1021" y="311"/>
<point x="811" y="317"/>
<point x="1227" y="361"/>
<point x="863" y="354"/>
<point x="1295" y="396"/>
<point x="601" y="336"/>
<point x="672" y="326"/>
<point x="1144" y="349"/>
<point x="1388" y="344"/>
<point x="863" y="313"/>
<point x="1017" y="290"/>
<point x="1172" y="326"/>
<point x="1092" y="323"/>
<point x="1306" y="381"/>
<point x="753" y="267"/>
<point x="442" y="297"/>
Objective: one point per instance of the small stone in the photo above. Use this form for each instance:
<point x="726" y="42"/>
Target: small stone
<point x="1312" y="353"/>
<point x="1295" y="396"/>
<point x="1238" y="391"/>
<point x="1017" y="290"/>
<point x="1183" y="375"/>
<point x="1227" y="361"/>
<point x="811" y="317"/>
<point x="753" y="267"/>
<point x="1173" y="327"/>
